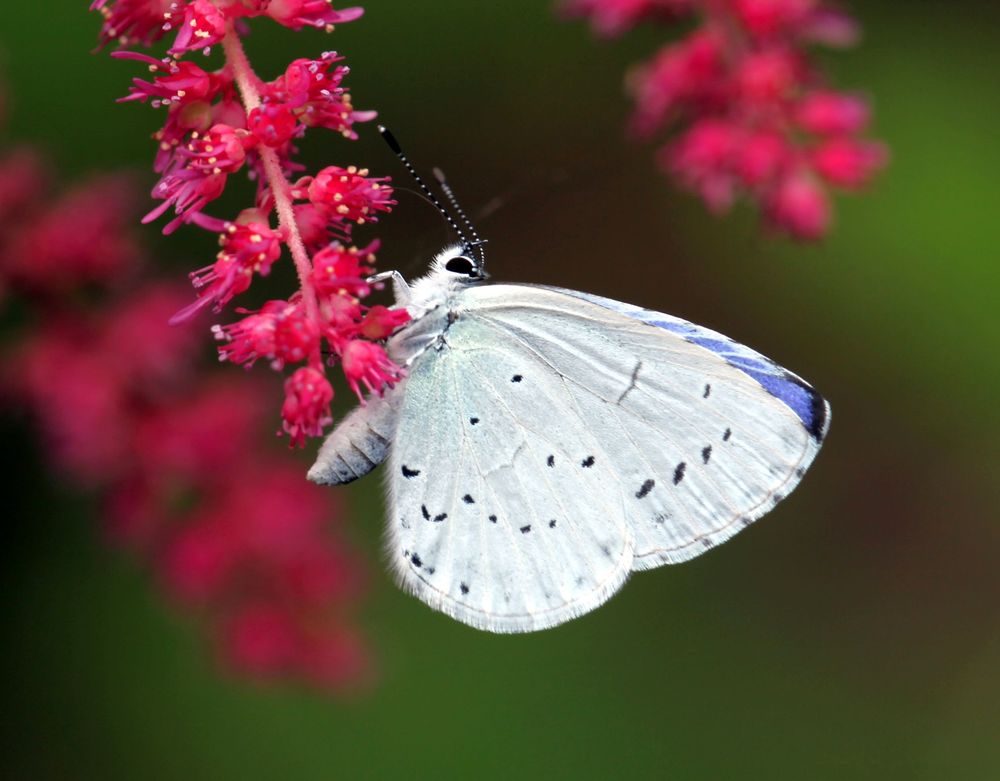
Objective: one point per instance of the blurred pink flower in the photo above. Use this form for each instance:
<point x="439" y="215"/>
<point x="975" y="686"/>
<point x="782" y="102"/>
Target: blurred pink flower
<point x="748" y="110"/>
<point x="228" y="527"/>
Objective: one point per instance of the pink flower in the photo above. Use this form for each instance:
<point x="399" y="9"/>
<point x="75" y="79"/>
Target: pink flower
<point x="686" y="75"/>
<point x="199" y="560"/>
<point x="614" y="17"/>
<point x="381" y="322"/>
<point x="80" y="237"/>
<point x="188" y="191"/>
<point x="137" y="341"/>
<point x="367" y="363"/>
<point x="307" y="405"/>
<point x="800" y="206"/>
<point x="761" y="157"/>
<point x="768" y="76"/>
<point x="223" y="149"/>
<point x="741" y="100"/>
<point x="296" y="336"/>
<point x="201" y="25"/>
<point x="350" y="194"/>
<point x="297" y="14"/>
<point x="132" y="21"/>
<point x="250" y="338"/>
<point x="848" y="162"/>
<point x="229" y="121"/>
<point x="703" y="158"/>
<point x="202" y="437"/>
<point x="273" y="123"/>
<point x="182" y="82"/>
<point x="340" y="269"/>
<point x="281" y="331"/>
<point x="24" y="177"/>
<point x="247" y="248"/>
<point x="312" y="90"/>
<point x="173" y="459"/>
<point x="765" y="18"/>
<point x="825" y="112"/>
<point x="89" y="437"/>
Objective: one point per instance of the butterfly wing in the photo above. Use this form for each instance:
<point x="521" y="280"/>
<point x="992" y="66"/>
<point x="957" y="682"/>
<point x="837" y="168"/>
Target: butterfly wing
<point x="503" y="512"/>
<point x="703" y="435"/>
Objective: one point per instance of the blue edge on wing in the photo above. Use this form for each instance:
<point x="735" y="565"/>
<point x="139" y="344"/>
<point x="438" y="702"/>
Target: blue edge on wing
<point x="794" y="392"/>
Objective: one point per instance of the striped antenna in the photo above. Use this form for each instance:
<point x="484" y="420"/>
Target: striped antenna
<point x="390" y="139"/>
<point x="450" y="195"/>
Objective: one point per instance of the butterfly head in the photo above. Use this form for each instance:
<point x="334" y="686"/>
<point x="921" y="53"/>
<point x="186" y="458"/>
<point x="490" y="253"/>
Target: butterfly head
<point x="458" y="265"/>
<point x="463" y="266"/>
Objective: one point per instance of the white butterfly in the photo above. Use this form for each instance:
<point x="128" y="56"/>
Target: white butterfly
<point x="546" y="443"/>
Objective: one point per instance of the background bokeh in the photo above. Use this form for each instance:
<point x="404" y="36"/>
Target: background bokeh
<point x="852" y="634"/>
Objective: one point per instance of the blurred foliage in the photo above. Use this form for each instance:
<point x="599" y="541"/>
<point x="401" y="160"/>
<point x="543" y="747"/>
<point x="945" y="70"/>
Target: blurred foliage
<point x="853" y="633"/>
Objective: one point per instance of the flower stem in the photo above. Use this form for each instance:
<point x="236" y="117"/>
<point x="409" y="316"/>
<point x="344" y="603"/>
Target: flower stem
<point x="246" y="82"/>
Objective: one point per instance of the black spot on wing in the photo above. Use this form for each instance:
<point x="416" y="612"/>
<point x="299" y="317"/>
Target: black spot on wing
<point x="416" y="560"/>
<point x="552" y="523"/>
<point x="468" y="499"/>
<point x="516" y="378"/>
<point x="440" y="517"/>
<point x="708" y="390"/>
<point x="473" y="421"/>
<point x="408" y="473"/>
<point x="800" y="472"/>
<point x="706" y="453"/>
<point x="587" y="462"/>
<point x="464" y="588"/>
<point x="493" y="519"/>
<point x="551" y="461"/>
<point x="526" y="529"/>
<point x="727" y="434"/>
<point x="645" y="488"/>
<point x="423" y="510"/>
<point x="679" y="472"/>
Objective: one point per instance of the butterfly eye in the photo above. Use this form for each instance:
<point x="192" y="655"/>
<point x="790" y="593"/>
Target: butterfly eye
<point x="461" y="265"/>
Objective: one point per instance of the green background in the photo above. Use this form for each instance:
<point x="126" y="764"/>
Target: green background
<point x="853" y="634"/>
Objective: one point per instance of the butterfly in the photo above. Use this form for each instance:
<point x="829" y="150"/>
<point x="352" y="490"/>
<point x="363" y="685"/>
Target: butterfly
<point x="546" y="443"/>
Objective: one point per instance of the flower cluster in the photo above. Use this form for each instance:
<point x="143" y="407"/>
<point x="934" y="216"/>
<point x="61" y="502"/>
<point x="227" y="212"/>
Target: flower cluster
<point x="188" y="484"/>
<point x="751" y="112"/>
<point x="229" y="121"/>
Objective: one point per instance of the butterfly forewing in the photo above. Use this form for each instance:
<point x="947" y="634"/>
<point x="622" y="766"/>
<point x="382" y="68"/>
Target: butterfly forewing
<point x="700" y="447"/>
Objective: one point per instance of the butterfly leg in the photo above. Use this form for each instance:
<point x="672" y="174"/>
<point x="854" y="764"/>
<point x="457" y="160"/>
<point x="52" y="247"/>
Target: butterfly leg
<point x="400" y="288"/>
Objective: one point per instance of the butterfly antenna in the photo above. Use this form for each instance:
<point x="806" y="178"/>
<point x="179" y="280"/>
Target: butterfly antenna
<point x="477" y="242"/>
<point x="390" y="139"/>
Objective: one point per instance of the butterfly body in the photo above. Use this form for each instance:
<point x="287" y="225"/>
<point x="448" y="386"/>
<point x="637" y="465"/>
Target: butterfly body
<point x="546" y="443"/>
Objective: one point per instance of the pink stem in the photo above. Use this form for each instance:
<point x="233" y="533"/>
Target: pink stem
<point x="246" y="82"/>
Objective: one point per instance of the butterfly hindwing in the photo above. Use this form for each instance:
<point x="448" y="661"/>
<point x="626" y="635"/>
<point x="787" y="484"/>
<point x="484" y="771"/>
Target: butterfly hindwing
<point x="500" y="517"/>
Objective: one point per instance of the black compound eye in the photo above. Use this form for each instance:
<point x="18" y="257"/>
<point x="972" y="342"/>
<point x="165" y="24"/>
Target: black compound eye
<point x="461" y="265"/>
